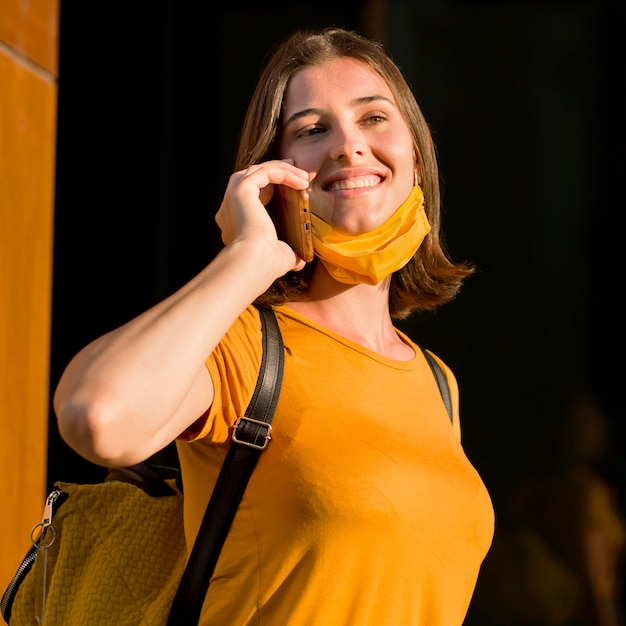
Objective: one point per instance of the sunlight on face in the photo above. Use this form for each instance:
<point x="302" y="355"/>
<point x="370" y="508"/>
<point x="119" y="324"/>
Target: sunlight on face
<point x="341" y="121"/>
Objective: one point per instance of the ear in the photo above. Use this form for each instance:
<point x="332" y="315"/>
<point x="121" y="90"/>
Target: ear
<point x="417" y="177"/>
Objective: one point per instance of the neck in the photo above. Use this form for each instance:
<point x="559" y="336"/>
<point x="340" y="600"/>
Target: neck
<point x="357" y="312"/>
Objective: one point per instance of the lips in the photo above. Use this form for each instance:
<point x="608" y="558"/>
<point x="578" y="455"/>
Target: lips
<point x="357" y="182"/>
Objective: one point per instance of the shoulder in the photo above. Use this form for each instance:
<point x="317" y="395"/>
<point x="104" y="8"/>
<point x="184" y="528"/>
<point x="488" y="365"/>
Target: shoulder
<point x="233" y="367"/>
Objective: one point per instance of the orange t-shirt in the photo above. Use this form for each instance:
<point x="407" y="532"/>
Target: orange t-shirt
<point x="363" y="510"/>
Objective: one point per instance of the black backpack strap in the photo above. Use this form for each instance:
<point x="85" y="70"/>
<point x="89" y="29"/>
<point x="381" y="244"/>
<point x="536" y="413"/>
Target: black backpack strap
<point x="251" y="436"/>
<point x="442" y="381"/>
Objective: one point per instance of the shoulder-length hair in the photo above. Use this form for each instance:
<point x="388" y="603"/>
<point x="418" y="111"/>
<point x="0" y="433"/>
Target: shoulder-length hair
<point x="430" y="278"/>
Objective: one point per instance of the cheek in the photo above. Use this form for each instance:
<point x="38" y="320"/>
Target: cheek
<point x="401" y="158"/>
<point x="308" y="159"/>
<point x="402" y="151"/>
<point x="405" y="172"/>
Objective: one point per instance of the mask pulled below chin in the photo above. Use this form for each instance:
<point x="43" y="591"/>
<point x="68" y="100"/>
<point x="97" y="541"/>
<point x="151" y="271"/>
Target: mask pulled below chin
<point x="370" y="257"/>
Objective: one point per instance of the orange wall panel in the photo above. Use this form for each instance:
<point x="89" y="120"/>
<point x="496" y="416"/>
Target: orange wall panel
<point x="28" y="101"/>
<point x="32" y="29"/>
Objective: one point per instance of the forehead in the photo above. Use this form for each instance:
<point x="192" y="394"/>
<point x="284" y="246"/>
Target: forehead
<point x="340" y="79"/>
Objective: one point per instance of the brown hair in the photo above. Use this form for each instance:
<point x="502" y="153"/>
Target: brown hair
<point x="431" y="278"/>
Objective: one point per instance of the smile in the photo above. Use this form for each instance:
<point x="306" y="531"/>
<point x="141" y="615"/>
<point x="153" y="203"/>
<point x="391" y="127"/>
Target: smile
<point x="354" y="183"/>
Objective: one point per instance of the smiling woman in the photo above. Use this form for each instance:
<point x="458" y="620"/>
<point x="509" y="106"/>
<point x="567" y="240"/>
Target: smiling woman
<point x="364" y="510"/>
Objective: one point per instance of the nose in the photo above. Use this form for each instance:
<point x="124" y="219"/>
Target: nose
<point x="347" y="144"/>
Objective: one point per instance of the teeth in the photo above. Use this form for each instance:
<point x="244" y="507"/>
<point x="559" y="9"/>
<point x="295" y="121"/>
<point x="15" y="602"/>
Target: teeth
<point x="355" y="183"/>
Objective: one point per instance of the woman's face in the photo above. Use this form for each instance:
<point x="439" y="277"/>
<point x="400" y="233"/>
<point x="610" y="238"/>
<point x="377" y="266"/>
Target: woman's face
<point x="341" y="122"/>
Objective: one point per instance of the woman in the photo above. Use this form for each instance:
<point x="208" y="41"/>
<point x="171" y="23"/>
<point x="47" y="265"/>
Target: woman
<point x="364" y="509"/>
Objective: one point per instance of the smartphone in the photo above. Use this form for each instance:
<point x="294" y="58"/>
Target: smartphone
<point x="292" y="217"/>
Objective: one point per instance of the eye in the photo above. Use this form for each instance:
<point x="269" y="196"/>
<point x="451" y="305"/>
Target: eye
<point x="310" y="131"/>
<point x="374" y="119"/>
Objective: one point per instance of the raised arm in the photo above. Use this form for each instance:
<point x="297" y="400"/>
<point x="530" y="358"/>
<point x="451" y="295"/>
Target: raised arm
<point x="129" y="393"/>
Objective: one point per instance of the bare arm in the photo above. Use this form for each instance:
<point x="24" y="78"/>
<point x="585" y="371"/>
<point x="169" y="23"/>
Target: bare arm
<point x="132" y="391"/>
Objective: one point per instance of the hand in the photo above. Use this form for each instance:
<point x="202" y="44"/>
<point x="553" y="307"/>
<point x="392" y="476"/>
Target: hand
<point x="242" y="215"/>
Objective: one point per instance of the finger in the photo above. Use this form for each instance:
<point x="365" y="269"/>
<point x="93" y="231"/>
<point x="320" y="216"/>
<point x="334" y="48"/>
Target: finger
<point x="277" y="172"/>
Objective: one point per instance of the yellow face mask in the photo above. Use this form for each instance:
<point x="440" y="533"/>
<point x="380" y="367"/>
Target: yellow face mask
<point x="370" y="257"/>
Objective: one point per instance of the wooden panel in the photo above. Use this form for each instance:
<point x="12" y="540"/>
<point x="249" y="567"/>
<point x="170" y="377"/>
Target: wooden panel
<point x="32" y="29"/>
<point x="27" y="149"/>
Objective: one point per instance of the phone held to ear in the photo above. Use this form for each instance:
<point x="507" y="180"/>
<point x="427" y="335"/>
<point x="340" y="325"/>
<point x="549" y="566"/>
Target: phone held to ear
<point x="292" y="216"/>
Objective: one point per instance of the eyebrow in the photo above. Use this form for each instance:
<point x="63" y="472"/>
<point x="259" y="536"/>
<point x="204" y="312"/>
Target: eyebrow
<point x="353" y="103"/>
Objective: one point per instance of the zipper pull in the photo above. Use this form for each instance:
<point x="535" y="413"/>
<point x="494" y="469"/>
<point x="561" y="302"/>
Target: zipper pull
<point x="41" y="542"/>
<point x="46" y="519"/>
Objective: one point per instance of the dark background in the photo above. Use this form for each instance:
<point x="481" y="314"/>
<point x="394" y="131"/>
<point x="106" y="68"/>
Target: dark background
<point x="526" y="104"/>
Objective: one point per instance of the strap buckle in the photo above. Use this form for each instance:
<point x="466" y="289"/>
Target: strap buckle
<point x="263" y="430"/>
